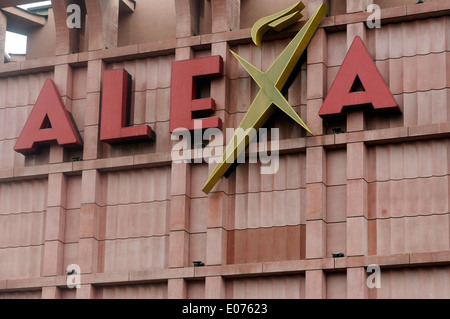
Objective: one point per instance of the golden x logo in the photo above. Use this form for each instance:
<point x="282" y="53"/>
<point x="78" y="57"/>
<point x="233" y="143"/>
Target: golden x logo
<point x="271" y="82"/>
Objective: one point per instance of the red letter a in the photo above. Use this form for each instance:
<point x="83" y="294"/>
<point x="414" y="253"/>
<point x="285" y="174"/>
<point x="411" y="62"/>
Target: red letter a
<point x="357" y="64"/>
<point x="48" y="122"/>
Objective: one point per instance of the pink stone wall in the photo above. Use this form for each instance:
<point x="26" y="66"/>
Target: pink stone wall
<point x="135" y="222"/>
<point x="152" y="21"/>
<point x="22" y="220"/>
<point x="280" y="287"/>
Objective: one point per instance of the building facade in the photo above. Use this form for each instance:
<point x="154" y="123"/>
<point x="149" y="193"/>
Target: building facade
<point x="366" y="195"/>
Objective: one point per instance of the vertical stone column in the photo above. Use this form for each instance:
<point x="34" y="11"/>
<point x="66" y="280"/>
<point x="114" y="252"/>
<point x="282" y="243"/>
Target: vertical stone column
<point x="3" y="23"/>
<point x="57" y="194"/>
<point x="177" y="289"/>
<point x="63" y="80"/>
<point x="86" y="292"/>
<point x="220" y="85"/>
<point x="357" y="202"/>
<point x="214" y="288"/>
<point x="103" y="21"/>
<point x="355" y="118"/>
<point x="316" y="203"/>
<point x="315" y="280"/>
<point x="180" y="215"/>
<point x="357" y="209"/>
<point x="187" y="18"/>
<point x="88" y="246"/>
<point x="55" y="225"/>
<point x="185" y="53"/>
<point x="356" y="283"/>
<point x="316" y="234"/>
<point x="226" y="15"/>
<point x="180" y="209"/>
<point x="92" y="144"/>
<point x="216" y="246"/>
<point x="67" y="39"/>
<point x="357" y="187"/>
<point x="357" y="5"/>
<point x="51" y="293"/>
<point x="89" y="236"/>
<point x="103" y="24"/>
<point x="357" y="217"/>
<point x="217" y="235"/>
<point x="317" y="66"/>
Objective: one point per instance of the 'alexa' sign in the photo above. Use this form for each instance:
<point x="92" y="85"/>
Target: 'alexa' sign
<point x="50" y="122"/>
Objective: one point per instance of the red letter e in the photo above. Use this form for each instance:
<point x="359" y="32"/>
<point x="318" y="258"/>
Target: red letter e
<point x="184" y="104"/>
